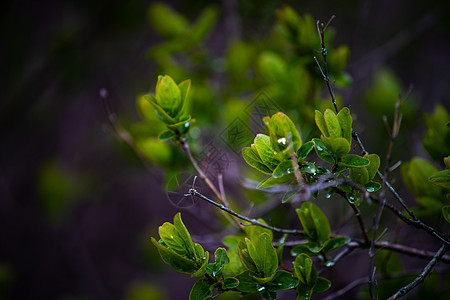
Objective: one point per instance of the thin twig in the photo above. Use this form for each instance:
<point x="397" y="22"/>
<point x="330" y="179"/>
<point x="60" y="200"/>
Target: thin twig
<point x="195" y="193"/>
<point x="419" y="279"/>
<point x="208" y="182"/>
<point x="376" y="222"/>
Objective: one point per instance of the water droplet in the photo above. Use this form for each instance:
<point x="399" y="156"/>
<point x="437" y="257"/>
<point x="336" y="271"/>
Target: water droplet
<point x="328" y="195"/>
<point x="329" y="263"/>
<point x="282" y="141"/>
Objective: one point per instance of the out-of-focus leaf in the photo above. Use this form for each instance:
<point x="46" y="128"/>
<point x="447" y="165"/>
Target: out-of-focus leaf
<point x="322" y="284"/>
<point x="441" y="179"/>
<point x="304" y="150"/>
<point x="354" y="161"/>
<point x="282" y="281"/>
<point x="446" y="213"/>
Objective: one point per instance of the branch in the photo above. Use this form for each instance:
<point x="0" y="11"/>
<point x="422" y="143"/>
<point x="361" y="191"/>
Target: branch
<point x="419" y="279"/>
<point x="194" y="192"/>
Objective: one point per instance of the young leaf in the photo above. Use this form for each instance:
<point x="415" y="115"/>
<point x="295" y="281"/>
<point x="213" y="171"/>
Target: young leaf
<point x="314" y="222"/>
<point x="265" y="151"/>
<point x="320" y="122"/>
<point x="168" y="95"/>
<point x="201" y="290"/>
<point x="222" y="259"/>
<point x="263" y="255"/>
<point x="281" y="127"/>
<point x="252" y="158"/>
<point x="345" y="120"/>
<point x="254" y="231"/>
<point x="246" y="259"/>
<point x="175" y="260"/>
<point x="184" y="90"/>
<point x="166" y="135"/>
<point x="302" y="268"/>
<point x="235" y="266"/>
<point x="163" y="115"/>
<point x="184" y="234"/>
<point x="202" y="270"/>
<point x="332" y="123"/>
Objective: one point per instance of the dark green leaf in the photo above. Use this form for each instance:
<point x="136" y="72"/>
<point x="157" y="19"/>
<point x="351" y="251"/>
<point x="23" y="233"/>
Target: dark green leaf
<point x="308" y="168"/>
<point x="201" y="290"/>
<point x="283" y="169"/>
<point x="304" y="150"/>
<point x="167" y="135"/>
<point x="263" y="255"/>
<point x="282" y="281"/>
<point x="302" y="249"/>
<point x="230" y="283"/>
<point x="372" y="186"/>
<point x="323" y="152"/>
<point x="248" y="284"/>
<point x="303" y="268"/>
<point x="335" y="243"/>
<point x="322" y="284"/>
<point x="354" y="161"/>
<point x="315" y="222"/>
<point x="222" y="259"/>
<point x="202" y="270"/>
<point x="446" y="213"/>
<point x="304" y="292"/>
<point x="441" y="179"/>
<point x="252" y="158"/>
<point x="280" y="248"/>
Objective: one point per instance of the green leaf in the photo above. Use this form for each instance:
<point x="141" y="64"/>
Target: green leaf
<point x="322" y="284"/>
<point x="172" y="239"/>
<point x="372" y="186"/>
<point x="167" y="135"/>
<point x="246" y="259"/>
<point x="265" y="151"/>
<point x="304" y="292"/>
<point x="230" y="283"/>
<point x="303" y="266"/>
<point x="372" y="168"/>
<point x="263" y="255"/>
<point x="221" y="260"/>
<point x="335" y="243"/>
<point x="232" y="241"/>
<point x="166" y="21"/>
<point x="345" y="120"/>
<point x="184" y="88"/>
<point x="304" y="150"/>
<point x="182" y="125"/>
<point x="323" y="152"/>
<point x="332" y="123"/>
<point x="282" y="281"/>
<point x="202" y="270"/>
<point x="446" y="213"/>
<point x="248" y="284"/>
<point x="359" y="175"/>
<point x="338" y="145"/>
<point x="354" y="161"/>
<point x="292" y="190"/>
<point x="441" y="179"/>
<point x="168" y="95"/>
<point x="315" y="222"/>
<point x="308" y="168"/>
<point x="320" y="122"/>
<point x="183" y="233"/>
<point x="163" y="115"/>
<point x="254" y="231"/>
<point x="272" y="181"/>
<point x="252" y="158"/>
<point x="175" y="260"/>
<point x="415" y="174"/>
<point x="303" y="249"/>
<point x="283" y="169"/>
<point x="235" y="266"/>
<point x="280" y="128"/>
<point x="201" y="290"/>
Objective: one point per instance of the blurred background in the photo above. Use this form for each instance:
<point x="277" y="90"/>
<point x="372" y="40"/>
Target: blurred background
<point x="78" y="206"/>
